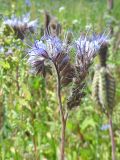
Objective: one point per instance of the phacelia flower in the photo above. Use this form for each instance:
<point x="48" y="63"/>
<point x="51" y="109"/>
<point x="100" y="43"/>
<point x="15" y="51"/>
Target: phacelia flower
<point x="54" y="46"/>
<point x="50" y="49"/>
<point x="103" y="42"/>
<point x="86" y="49"/>
<point x="21" y="24"/>
<point x="101" y="38"/>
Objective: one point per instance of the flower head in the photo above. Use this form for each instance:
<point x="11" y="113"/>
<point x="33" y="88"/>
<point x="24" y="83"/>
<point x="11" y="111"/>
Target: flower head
<point x="37" y="55"/>
<point x="100" y="39"/>
<point x="54" y="46"/>
<point x="21" y="24"/>
<point x="103" y="42"/>
<point x="51" y="49"/>
<point x="48" y="48"/>
<point x="87" y="47"/>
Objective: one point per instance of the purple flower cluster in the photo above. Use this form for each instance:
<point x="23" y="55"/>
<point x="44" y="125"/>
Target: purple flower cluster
<point x="87" y="47"/>
<point x="52" y="48"/>
<point x="44" y="50"/>
<point x="21" y="24"/>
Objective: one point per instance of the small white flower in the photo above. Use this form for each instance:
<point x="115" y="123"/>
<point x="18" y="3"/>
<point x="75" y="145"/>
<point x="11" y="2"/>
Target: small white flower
<point x="61" y="9"/>
<point x="75" y="21"/>
<point x="88" y="27"/>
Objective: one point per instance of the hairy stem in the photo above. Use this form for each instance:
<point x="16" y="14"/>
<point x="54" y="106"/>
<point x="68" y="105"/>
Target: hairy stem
<point x="111" y="136"/>
<point x="62" y="116"/>
<point x="62" y="150"/>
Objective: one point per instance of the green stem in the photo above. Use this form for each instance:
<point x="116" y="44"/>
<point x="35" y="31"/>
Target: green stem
<point x="111" y="136"/>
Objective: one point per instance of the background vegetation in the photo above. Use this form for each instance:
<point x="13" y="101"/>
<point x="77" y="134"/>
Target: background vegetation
<point x="29" y="116"/>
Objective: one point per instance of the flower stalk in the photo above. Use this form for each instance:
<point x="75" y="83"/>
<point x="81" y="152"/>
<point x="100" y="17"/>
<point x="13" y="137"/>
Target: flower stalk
<point x="111" y="136"/>
<point x="62" y="116"/>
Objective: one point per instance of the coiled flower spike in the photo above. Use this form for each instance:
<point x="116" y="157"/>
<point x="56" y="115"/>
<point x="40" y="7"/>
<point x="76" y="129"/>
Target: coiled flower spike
<point x="103" y="90"/>
<point x="86" y="49"/>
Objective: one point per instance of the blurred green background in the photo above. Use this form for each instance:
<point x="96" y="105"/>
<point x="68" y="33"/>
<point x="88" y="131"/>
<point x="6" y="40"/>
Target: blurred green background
<point x="30" y="125"/>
